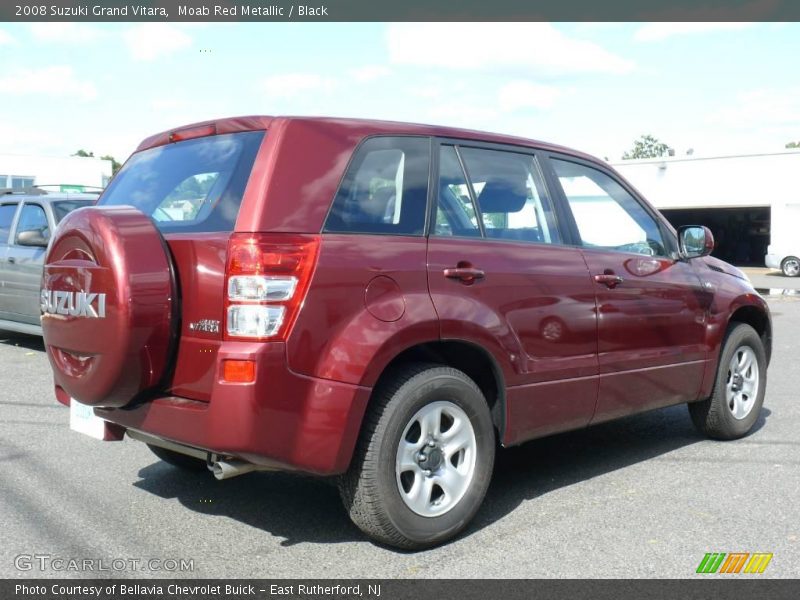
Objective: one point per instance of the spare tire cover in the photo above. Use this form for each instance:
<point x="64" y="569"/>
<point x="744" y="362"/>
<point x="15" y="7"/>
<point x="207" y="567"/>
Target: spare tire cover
<point x="107" y="301"/>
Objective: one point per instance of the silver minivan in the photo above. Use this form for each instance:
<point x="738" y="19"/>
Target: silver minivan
<point x="27" y="220"/>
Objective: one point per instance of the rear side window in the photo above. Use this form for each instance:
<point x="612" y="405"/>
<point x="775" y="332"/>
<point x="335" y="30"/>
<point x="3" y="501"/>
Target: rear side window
<point x="385" y="189"/>
<point x="508" y="191"/>
<point x="62" y="208"/>
<point x="190" y="186"/>
<point x="7" y="212"/>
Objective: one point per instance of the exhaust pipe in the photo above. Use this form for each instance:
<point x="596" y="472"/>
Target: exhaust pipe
<point x="225" y="469"/>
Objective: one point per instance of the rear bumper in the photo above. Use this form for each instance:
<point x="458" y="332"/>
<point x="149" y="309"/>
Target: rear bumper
<point x="282" y="420"/>
<point x="772" y="261"/>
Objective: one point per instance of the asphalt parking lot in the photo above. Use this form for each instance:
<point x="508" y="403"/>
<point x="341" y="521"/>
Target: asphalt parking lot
<point x="641" y="497"/>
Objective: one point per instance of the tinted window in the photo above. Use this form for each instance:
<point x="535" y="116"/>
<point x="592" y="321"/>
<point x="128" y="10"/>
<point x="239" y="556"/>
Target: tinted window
<point x="510" y="196"/>
<point x="193" y="186"/>
<point x="608" y="216"/>
<point x="385" y="189"/>
<point x="7" y="212"/>
<point x="62" y="207"/>
<point x="455" y="211"/>
<point x="33" y="218"/>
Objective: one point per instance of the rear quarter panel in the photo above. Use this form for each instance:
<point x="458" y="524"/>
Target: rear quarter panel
<point x="336" y="336"/>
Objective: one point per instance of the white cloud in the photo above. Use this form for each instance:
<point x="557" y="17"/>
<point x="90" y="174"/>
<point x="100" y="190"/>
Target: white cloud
<point x="657" y="32"/>
<point x="526" y="94"/>
<point x="537" y="46"/>
<point x="369" y="73"/>
<point x="290" y="85"/>
<point x="762" y="108"/>
<point x="150" y="41"/>
<point x="71" y="33"/>
<point x="6" y="38"/>
<point x="16" y="139"/>
<point x="49" y="81"/>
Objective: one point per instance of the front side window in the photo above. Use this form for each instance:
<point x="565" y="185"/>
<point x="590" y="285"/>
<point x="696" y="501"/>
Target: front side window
<point x="33" y="218"/>
<point x="7" y="212"/>
<point x="607" y="216"/>
<point x="385" y="189"/>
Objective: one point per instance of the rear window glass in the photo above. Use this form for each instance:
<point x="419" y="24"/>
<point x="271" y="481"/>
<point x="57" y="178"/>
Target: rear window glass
<point x="63" y="207"/>
<point x="190" y="186"/>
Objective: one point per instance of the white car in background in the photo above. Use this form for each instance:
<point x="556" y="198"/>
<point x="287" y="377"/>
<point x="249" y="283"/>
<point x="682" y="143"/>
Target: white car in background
<point x="788" y="264"/>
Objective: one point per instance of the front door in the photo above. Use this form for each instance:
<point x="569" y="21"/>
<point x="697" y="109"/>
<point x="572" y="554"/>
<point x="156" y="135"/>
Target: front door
<point x="651" y="306"/>
<point x="24" y="266"/>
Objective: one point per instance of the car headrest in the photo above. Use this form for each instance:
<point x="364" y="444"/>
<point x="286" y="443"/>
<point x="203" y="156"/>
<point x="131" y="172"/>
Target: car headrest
<point x="502" y="196"/>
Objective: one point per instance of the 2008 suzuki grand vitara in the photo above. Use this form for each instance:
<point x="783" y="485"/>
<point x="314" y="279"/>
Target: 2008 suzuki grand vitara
<point x="386" y="302"/>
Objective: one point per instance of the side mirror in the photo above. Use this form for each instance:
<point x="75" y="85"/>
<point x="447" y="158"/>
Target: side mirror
<point x="695" y="241"/>
<point x="32" y="237"/>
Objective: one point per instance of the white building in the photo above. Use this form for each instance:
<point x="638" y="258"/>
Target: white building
<point x="69" y="173"/>
<point x="744" y="199"/>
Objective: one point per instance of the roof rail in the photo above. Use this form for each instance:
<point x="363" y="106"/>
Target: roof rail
<point x="28" y="191"/>
<point x="38" y="190"/>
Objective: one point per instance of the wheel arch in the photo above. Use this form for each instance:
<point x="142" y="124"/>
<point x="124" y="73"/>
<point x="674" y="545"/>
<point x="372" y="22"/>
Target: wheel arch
<point x="468" y="357"/>
<point x="758" y="318"/>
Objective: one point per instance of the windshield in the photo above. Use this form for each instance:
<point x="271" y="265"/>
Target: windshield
<point x="192" y="186"/>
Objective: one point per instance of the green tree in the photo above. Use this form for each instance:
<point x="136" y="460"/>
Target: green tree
<point x="114" y="164"/>
<point x="793" y="145"/>
<point x="648" y="147"/>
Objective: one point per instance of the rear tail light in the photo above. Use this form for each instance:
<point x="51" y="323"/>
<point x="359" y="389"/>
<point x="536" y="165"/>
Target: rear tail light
<point x="267" y="278"/>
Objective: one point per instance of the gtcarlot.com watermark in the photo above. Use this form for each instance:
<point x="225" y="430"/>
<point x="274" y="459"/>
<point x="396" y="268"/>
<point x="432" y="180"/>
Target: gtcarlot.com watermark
<point x="48" y="562"/>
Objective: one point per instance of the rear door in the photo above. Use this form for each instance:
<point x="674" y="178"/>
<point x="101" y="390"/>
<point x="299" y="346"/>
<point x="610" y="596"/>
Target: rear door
<point x="501" y="277"/>
<point x="192" y="189"/>
<point x="651" y="307"/>
<point x="8" y="211"/>
<point x="24" y="264"/>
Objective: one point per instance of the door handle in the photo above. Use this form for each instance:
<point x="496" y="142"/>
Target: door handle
<point x="467" y="275"/>
<point x="12" y="260"/>
<point x="609" y="279"/>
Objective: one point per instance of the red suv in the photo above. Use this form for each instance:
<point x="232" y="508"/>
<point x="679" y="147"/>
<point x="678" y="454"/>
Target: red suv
<point x="385" y="302"/>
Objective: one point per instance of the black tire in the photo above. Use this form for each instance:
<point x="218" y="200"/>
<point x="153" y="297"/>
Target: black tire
<point x="371" y="489"/>
<point x="715" y="415"/>
<point x="176" y="459"/>
<point x="790" y="266"/>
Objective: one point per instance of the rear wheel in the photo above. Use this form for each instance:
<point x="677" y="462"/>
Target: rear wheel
<point x="791" y="266"/>
<point x="176" y="459"/>
<point x="424" y="460"/>
<point x="738" y="395"/>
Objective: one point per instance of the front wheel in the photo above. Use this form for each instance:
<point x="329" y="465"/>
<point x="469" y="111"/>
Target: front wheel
<point x="791" y="266"/>
<point x="424" y="460"/>
<point x="734" y="405"/>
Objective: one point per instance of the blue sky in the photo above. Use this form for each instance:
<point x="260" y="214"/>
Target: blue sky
<point x="723" y="88"/>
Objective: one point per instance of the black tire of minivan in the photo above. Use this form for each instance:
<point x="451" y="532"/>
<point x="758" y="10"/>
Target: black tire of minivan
<point x="379" y="494"/>
<point x="743" y="363"/>
<point x="176" y="459"/>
